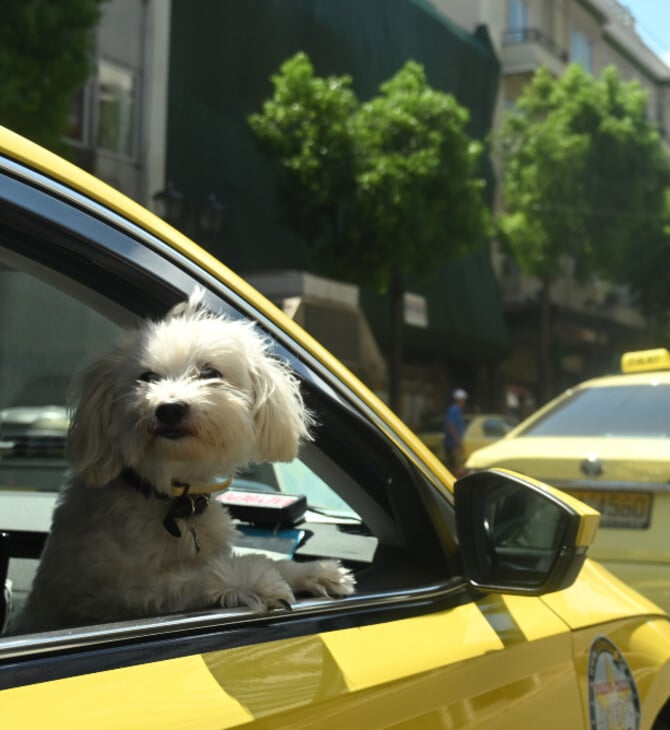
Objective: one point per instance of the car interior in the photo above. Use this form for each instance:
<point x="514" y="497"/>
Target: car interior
<point x="357" y="498"/>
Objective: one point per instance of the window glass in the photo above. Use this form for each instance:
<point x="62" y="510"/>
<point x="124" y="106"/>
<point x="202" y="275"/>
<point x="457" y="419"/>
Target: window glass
<point x="625" y="411"/>
<point x="45" y="335"/>
<point x="517" y="16"/>
<point x="524" y="531"/>
<point x="296" y="478"/>
<point x="581" y="50"/>
<point x="496" y="427"/>
<point x="116" y="101"/>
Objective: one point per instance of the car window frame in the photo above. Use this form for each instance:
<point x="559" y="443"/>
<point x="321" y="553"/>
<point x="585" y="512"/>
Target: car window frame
<point x="37" y="200"/>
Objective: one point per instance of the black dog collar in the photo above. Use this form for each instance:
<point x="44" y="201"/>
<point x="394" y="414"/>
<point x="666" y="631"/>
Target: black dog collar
<point x="180" y="508"/>
<point x="143" y="486"/>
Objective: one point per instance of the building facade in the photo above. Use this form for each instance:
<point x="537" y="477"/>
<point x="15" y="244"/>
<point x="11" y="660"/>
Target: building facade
<point x="118" y="121"/>
<point x="166" y="110"/>
<point x="594" y="321"/>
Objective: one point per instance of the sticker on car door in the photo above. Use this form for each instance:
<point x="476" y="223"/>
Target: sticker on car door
<point x="614" y="702"/>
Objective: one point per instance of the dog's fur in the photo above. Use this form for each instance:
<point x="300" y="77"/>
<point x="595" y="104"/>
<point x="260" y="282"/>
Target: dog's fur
<point x="109" y="556"/>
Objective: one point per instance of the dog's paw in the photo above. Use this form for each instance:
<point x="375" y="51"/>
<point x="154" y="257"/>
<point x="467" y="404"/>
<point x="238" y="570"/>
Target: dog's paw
<point x="254" y="581"/>
<point x="282" y="597"/>
<point x="319" y="577"/>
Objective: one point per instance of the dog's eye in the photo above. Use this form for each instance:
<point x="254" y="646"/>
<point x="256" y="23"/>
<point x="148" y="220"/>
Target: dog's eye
<point x="208" y="373"/>
<point x="149" y="376"/>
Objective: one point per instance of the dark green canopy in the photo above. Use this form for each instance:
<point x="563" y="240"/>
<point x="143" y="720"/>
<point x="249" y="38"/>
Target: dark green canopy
<point x="223" y="53"/>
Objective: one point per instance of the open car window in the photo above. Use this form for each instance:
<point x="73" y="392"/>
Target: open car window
<point x="66" y="298"/>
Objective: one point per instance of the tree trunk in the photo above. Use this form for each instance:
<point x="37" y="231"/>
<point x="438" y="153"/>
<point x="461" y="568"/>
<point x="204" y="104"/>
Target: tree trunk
<point x="397" y="295"/>
<point x="544" y="364"/>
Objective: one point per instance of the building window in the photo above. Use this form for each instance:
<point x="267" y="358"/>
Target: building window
<point x="517" y="16"/>
<point x="116" y="108"/>
<point x="581" y="50"/>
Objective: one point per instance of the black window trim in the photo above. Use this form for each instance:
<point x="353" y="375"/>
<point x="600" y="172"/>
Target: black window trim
<point x="28" y="190"/>
<point x="174" y="625"/>
<point x="37" y="658"/>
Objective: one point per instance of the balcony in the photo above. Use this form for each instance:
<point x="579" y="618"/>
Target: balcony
<point x="526" y="49"/>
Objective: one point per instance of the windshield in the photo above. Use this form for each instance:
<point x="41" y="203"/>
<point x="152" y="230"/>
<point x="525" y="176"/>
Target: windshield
<point x="297" y="478"/>
<point x="633" y="411"/>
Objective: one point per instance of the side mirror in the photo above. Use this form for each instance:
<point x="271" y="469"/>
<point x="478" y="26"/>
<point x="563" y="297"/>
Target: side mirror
<point x="519" y="536"/>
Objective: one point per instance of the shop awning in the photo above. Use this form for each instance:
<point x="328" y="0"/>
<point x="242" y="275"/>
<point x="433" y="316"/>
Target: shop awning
<point x="329" y="310"/>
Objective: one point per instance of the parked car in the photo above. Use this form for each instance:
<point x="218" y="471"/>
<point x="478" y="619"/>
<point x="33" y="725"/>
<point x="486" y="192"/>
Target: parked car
<point x="481" y="429"/>
<point x="475" y="603"/>
<point x="27" y="431"/>
<point x="605" y="442"/>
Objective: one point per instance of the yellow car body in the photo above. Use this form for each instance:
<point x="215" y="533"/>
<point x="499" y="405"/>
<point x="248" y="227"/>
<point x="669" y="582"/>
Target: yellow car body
<point x="465" y="616"/>
<point x="610" y="452"/>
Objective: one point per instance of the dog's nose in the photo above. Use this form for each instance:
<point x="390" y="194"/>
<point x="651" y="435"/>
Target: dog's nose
<point x="171" y="414"/>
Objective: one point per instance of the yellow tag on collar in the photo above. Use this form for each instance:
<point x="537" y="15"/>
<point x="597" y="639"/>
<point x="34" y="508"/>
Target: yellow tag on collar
<point x="179" y="489"/>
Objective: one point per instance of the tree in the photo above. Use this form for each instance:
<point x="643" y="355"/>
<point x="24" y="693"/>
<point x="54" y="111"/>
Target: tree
<point x="381" y="189"/>
<point x="584" y="177"/>
<point x="45" y="57"/>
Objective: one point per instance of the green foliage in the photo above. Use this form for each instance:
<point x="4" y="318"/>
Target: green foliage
<point x="584" y="175"/>
<point x="45" y="57"/>
<point x="305" y="126"/>
<point x="378" y="187"/>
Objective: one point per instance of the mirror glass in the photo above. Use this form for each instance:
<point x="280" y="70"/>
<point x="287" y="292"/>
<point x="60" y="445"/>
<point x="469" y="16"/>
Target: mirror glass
<point x="524" y="531"/>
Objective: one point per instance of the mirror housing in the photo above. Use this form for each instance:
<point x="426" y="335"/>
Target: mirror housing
<point x="519" y="536"/>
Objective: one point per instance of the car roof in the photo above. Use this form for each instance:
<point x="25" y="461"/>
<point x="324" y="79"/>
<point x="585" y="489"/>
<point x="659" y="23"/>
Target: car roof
<point x="623" y="379"/>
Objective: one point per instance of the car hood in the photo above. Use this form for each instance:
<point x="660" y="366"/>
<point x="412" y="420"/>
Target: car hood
<point x="552" y="459"/>
<point x="598" y="597"/>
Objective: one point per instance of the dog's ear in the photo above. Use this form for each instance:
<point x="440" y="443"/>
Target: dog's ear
<point x="90" y="446"/>
<point x="191" y="307"/>
<point x="282" y="422"/>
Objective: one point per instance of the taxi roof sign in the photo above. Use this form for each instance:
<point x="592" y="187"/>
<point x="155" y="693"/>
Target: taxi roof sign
<point x="643" y="360"/>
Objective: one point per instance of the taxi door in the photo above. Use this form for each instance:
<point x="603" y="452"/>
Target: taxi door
<point x="499" y="662"/>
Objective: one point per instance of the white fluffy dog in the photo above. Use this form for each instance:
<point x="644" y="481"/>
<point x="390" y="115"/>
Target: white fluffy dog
<point x="176" y="404"/>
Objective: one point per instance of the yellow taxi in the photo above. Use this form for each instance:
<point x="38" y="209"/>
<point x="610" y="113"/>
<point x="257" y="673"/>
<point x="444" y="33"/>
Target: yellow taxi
<point x="481" y="429"/>
<point x="605" y="441"/>
<point x="476" y="606"/>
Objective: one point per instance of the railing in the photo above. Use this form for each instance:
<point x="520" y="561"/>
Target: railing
<point x="621" y="14"/>
<point x="534" y="35"/>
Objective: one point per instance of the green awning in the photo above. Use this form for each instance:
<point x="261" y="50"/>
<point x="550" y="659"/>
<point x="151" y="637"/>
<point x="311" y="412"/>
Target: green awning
<point x="223" y="53"/>
<point x="465" y="316"/>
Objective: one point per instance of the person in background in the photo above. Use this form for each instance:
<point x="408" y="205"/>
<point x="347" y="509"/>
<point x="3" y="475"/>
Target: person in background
<point x="454" y="429"/>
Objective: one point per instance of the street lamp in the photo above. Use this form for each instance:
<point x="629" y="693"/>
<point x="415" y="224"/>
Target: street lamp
<point x="206" y="218"/>
<point x="211" y="215"/>
<point x="169" y="204"/>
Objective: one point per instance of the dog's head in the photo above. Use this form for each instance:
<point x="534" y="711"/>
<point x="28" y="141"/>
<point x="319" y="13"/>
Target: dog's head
<point x="189" y="397"/>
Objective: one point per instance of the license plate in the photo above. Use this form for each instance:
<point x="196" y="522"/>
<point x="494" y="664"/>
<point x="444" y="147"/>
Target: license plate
<point x="619" y="509"/>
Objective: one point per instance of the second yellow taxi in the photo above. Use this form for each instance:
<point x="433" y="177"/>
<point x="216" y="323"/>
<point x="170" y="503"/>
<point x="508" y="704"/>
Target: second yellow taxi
<point x="606" y="442"/>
